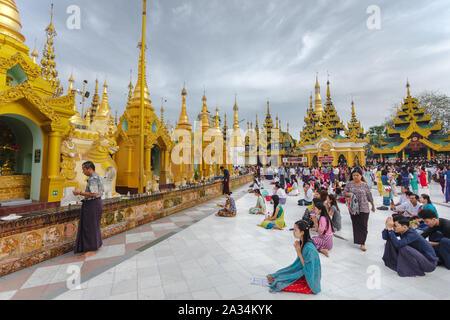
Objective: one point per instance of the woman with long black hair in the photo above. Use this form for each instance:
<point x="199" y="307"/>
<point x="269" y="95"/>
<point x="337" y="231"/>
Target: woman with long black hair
<point x="324" y="241"/>
<point x="359" y="191"/>
<point x="276" y="221"/>
<point x="303" y="276"/>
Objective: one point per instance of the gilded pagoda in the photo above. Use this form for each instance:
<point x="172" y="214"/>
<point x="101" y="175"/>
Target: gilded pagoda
<point x="413" y="134"/>
<point x="269" y="144"/>
<point x="325" y="140"/>
<point x="34" y="112"/>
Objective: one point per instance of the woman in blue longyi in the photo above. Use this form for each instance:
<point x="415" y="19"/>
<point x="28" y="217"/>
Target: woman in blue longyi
<point x="304" y="275"/>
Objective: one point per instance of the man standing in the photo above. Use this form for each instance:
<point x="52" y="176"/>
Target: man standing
<point x="292" y="174"/>
<point x="89" y="237"/>
<point x="226" y="180"/>
<point x="282" y="174"/>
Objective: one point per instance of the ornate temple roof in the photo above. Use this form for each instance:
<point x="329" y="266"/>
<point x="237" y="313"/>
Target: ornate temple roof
<point x="328" y="123"/>
<point x="412" y="125"/>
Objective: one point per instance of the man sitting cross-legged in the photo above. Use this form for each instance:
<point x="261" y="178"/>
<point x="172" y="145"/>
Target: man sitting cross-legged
<point x="412" y="255"/>
<point x="438" y="234"/>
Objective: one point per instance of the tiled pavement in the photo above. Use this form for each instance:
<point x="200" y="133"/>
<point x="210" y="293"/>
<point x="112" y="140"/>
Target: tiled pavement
<point x="215" y="258"/>
<point x="48" y="279"/>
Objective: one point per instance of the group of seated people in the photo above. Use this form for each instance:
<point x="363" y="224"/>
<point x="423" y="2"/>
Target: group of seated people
<point x="407" y="250"/>
<point x="412" y="255"/>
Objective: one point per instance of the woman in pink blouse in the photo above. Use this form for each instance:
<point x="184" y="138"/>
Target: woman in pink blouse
<point x="324" y="241"/>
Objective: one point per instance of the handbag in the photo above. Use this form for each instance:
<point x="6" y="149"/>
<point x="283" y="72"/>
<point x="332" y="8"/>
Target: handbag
<point x="353" y="205"/>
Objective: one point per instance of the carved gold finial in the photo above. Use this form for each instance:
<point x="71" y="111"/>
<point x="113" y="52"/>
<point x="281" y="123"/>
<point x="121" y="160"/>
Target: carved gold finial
<point x="35" y="54"/>
<point x="408" y="88"/>
<point x="71" y="82"/>
<point x="318" y="103"/>
<point x="48" y="64"/>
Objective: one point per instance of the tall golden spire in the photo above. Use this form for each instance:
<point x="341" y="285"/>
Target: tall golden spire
<point x="328" y="92"/>
<point x="183" y="121"/>
<point x="408" y="89"/>
<point x="236" y="117"/>
<point x="48" y="64"/>
<point x="204" y="119"/>
<point x="10" y="20"/>
<point x="318" y="103"/>
<point x="256" y="123"/>
<point x="141" y="92"/>
<point x="225" y="126"/>
<point x="95" y="103"/>
<point x="71" y="82"/>
<point x="104" y="110"/>
<point x="216" y="120"/>
<point x="35" y="54"/>
<point x="268" y="122"/>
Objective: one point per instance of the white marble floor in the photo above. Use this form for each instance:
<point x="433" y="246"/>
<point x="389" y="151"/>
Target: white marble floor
<point x="216" y="258"/>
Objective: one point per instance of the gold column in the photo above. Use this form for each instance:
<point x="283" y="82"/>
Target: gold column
<point x="428" y="154"/>
<point x="54" y="153"/>
<point x="54" y="179"/>
<point x="130" y="159"/>
<point x="148" y="161"/>
<point x="164" y="167"/>
<point x="403" y="155"/>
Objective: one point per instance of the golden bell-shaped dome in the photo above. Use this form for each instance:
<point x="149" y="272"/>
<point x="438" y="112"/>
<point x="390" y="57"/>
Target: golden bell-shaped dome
<point x="10" y="20"/>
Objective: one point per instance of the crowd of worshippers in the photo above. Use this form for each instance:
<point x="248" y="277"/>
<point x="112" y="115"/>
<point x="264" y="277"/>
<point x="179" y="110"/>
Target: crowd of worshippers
<point x="417" y="240"/>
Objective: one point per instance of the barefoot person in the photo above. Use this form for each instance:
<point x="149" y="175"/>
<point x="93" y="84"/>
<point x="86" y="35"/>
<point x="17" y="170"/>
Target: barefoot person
<point x="303" y="276"/>
<point x="229" y="209"/>
<point x="360" y="219"/>
<point x="260" y="207"/>
<point x="276" y="221"/>
<point x="89" y="237"/>
<point x="324" y="241"/>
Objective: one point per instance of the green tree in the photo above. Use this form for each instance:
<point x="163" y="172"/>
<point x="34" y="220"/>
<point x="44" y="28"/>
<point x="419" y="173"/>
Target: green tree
<point x="438" y="106"/>
<point x="375" y="134"/>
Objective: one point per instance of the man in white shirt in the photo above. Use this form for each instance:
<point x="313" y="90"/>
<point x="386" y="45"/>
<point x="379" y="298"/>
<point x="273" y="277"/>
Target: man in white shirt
<point x="292" y="173"/>
<point x="309" y="196"/>
<point x="409" y="208"/>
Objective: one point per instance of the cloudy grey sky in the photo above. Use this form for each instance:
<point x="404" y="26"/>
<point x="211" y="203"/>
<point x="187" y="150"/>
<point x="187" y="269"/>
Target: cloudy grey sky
<point x="258" y="49"/>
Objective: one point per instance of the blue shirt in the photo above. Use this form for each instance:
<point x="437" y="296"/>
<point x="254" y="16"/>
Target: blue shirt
<point x="413" y="239"/>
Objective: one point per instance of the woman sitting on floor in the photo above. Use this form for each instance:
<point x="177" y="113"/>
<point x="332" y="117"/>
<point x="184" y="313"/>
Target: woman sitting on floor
<point x="334" y="212"/>
<point x="294" y="191"/>
<point x="276" y="221"/>
<point x="229" y="209"/>
<point x="279" y="191"/>
<point x="255" y="185"/>
<point x="260" y="204"/>
<point x="324" y="241"/>
<point x="304" y="275"/>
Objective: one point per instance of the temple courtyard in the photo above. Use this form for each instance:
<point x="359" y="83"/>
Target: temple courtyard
<point x="196" y="255"/>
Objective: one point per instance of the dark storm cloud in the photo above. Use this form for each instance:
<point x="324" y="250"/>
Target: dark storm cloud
<point x="258" y="49"/>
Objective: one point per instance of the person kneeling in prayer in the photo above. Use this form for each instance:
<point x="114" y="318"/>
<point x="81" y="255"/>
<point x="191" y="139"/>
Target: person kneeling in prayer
<point x="412" y="255"/>
<point x="303" y="276"/>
